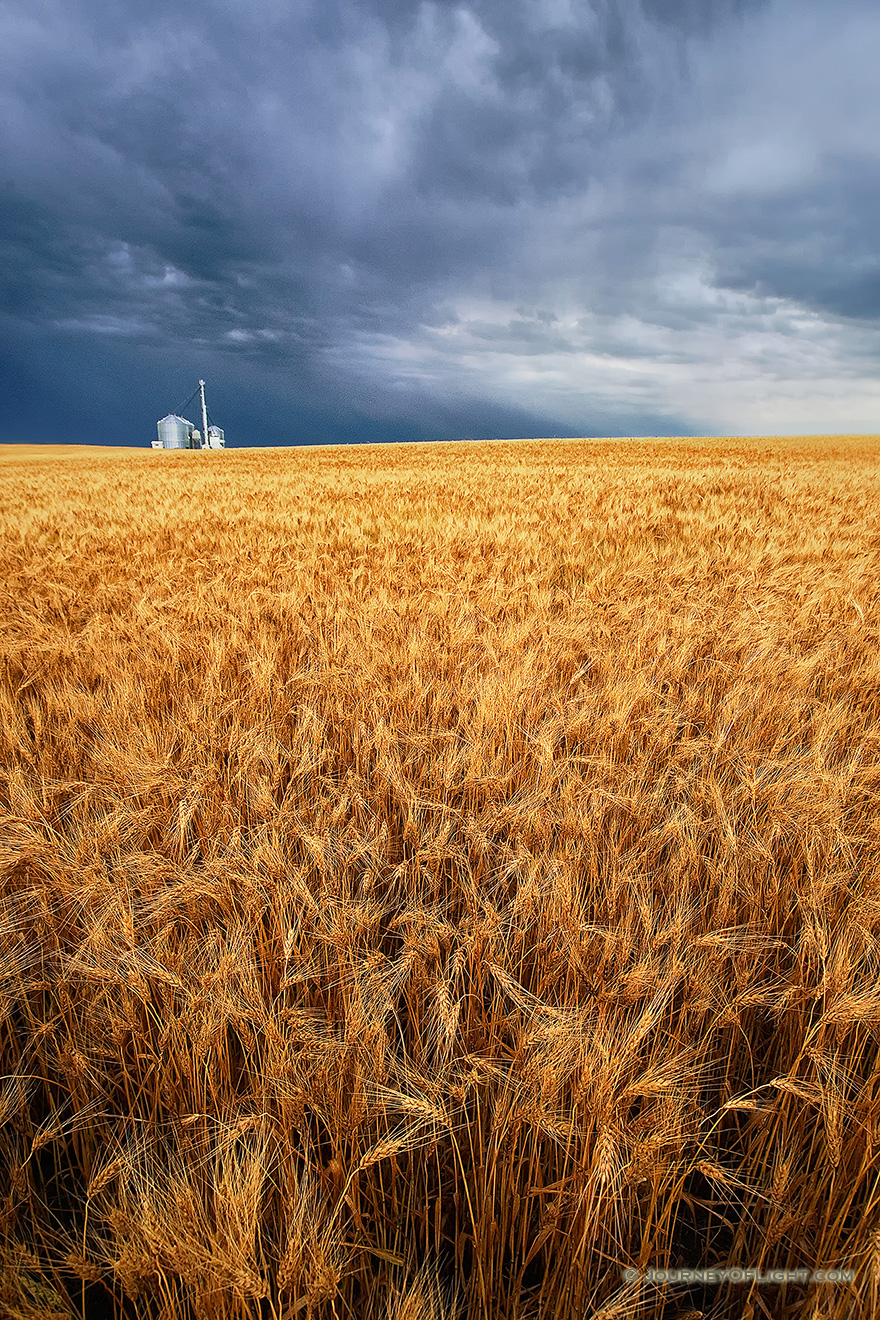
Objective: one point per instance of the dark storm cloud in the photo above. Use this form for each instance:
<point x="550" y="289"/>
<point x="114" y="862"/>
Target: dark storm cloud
<point x="815" y="243"/>
<point x="382" y="219"/>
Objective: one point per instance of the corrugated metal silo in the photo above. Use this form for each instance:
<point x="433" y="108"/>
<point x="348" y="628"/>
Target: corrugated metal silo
<point x="175" y="432"/>
<point x="216" y="438"/>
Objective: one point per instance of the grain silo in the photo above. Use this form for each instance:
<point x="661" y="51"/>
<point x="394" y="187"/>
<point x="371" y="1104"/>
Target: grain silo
<point x="176" y="432"/>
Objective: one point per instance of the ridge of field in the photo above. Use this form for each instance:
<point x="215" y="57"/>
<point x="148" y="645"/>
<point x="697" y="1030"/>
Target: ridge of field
<point x="435" y="879"/>
<point x="10" y="452"/>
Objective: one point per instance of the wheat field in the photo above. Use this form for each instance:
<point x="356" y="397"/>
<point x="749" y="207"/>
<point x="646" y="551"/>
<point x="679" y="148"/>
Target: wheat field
<point x="437" y="879"/>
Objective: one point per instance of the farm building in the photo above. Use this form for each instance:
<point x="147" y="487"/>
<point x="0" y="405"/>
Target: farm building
<point x="177" y="432"/>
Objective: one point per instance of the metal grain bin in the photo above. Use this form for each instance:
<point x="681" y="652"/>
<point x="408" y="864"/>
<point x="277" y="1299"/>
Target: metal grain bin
<point x="175" y="432"/>
<point x="216" y="438"/>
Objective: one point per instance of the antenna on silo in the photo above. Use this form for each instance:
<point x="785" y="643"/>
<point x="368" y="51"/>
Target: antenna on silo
<point x="204" y="416"/>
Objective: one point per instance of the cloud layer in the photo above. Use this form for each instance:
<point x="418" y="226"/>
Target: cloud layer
<point x="366" y="220"/>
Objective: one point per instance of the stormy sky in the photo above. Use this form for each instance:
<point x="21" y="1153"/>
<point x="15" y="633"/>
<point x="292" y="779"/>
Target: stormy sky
<point x="368" y="220"/>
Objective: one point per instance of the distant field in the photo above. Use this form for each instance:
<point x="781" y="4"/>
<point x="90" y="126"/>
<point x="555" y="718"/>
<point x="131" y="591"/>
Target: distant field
<point x="30" y="453"/>
<point x="438" y="878"/>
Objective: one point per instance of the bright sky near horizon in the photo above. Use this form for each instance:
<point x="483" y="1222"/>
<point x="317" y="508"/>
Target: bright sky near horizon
<point x="366" y="220"/>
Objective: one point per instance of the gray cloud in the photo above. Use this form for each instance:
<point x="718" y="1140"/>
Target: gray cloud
<point x="374" y="219"/>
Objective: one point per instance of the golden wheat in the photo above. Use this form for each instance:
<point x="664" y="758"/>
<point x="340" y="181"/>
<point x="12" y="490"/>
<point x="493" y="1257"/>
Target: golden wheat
<point x="438" y="877"/>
